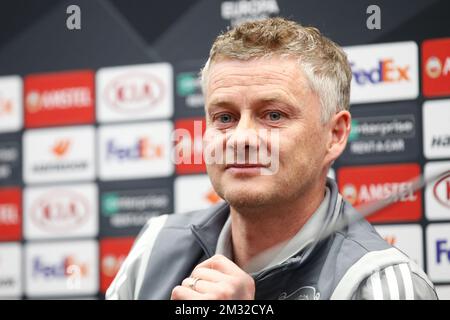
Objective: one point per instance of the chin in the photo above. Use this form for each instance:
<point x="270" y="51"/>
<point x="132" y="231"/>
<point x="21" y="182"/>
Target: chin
<point x="248" y="196"/>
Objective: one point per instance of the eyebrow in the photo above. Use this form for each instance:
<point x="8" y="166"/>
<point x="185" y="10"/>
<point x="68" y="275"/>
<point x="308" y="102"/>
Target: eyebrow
<point x="220" y="101"/>
<point x="276" y="99"/>
<point x="220" y="104"/>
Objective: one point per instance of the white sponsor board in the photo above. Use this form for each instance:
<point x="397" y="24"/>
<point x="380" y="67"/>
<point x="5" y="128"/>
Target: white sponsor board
<point x="61" y="268"/>
<point x="56" y="155"/>
<point x="65" y="211"/>
<point x="135" y="151"/>
<point x="194" y="192"/>
<point x="438" y="252"/>
<point x="407" y="238"/>
<point x="135" y="92"/>
<point x="11" y="108"/>
<point x="10" y="270"/>
<point x="436" y="129"/>
<point x="443" y="292"/>
<point x="384" y="72"/>
<point x="437" y="192"/>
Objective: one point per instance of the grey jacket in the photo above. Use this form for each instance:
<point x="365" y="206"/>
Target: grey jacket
<point x="352" y="263"/>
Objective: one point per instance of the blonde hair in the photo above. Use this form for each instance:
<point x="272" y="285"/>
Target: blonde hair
<point x="322" y="61"/>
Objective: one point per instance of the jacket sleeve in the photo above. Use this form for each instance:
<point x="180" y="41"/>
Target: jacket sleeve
<point x="128" y="281"/>
<point x="397" y="282"/>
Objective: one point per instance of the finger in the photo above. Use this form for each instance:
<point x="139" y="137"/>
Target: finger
<point x="187" y="282"/>
<point x="204" y="286"/>
<point x="209" y="274"/>
<point x="190" y="282"/>
<point x="221" y="263"/>
<point x="183" y="293"/>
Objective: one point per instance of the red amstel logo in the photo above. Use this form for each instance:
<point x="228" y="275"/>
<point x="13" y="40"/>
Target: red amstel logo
<point x="10" y="214"/>
<point x="59" y="98"/>
<point x="113" y="252"/>
<point x="436" y="67"/>
<point x="364" y="185"/>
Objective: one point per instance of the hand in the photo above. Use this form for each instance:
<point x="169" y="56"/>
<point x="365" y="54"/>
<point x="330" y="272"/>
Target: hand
<point x="217" y="278"/>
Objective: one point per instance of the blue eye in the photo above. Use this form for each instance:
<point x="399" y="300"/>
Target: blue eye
<point x="274" y="115"/>
<point x="225" y="118"/>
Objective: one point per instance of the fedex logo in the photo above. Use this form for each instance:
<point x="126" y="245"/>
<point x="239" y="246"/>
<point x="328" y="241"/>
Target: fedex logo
<point x="62" y="269"/>
<point x="385" y="71"/>
<point x="142" y="149"/>
<point x="127" y="150"/>
<point x="438" y="251"/>
<point x="442" y="249"/>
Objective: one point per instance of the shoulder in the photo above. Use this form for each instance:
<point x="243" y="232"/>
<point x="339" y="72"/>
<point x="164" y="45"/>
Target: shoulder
<point x="153" y="238"/>
<point x="373" y="269"/>
<point x="396" y="282"/>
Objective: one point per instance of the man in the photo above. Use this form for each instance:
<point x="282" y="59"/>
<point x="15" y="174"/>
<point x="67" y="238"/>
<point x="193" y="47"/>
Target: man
<point x="273" y="237"/>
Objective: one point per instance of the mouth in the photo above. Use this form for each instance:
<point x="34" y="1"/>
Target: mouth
<point x="245" y="169"/>
<point x="245" y="165"/>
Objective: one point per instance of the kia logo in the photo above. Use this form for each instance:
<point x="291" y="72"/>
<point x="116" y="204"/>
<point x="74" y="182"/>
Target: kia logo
<point x="60" y="211"/>
<point x="134" y="92"/>
<point x="441" y="190"/>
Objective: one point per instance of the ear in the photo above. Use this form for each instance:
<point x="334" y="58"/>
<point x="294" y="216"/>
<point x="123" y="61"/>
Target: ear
<point x="339" y="126"/>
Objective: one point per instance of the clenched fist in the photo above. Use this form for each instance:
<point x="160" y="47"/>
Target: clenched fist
<point x="217" y="278"/>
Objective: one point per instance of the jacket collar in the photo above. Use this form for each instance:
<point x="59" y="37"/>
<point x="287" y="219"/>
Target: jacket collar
<point x="208" y="227"/>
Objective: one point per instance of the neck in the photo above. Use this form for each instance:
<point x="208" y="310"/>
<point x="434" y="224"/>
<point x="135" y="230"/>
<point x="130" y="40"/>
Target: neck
<point x="255" y="230"/>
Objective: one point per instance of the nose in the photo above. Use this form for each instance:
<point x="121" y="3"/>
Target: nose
<point x="243" y="140"/>
<point x="246" y="122"/>
<point x="244" y="132"/>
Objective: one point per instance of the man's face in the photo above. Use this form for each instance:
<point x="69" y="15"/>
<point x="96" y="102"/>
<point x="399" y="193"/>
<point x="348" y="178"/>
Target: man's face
<point x="243" y="97"/>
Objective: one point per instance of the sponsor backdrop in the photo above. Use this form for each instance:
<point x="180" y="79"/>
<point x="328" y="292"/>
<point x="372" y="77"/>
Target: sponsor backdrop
<point x="87" y="120"/>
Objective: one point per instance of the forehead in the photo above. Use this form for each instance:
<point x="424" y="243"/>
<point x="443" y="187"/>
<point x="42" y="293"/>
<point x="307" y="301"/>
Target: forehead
<point x="281" y="75"/>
